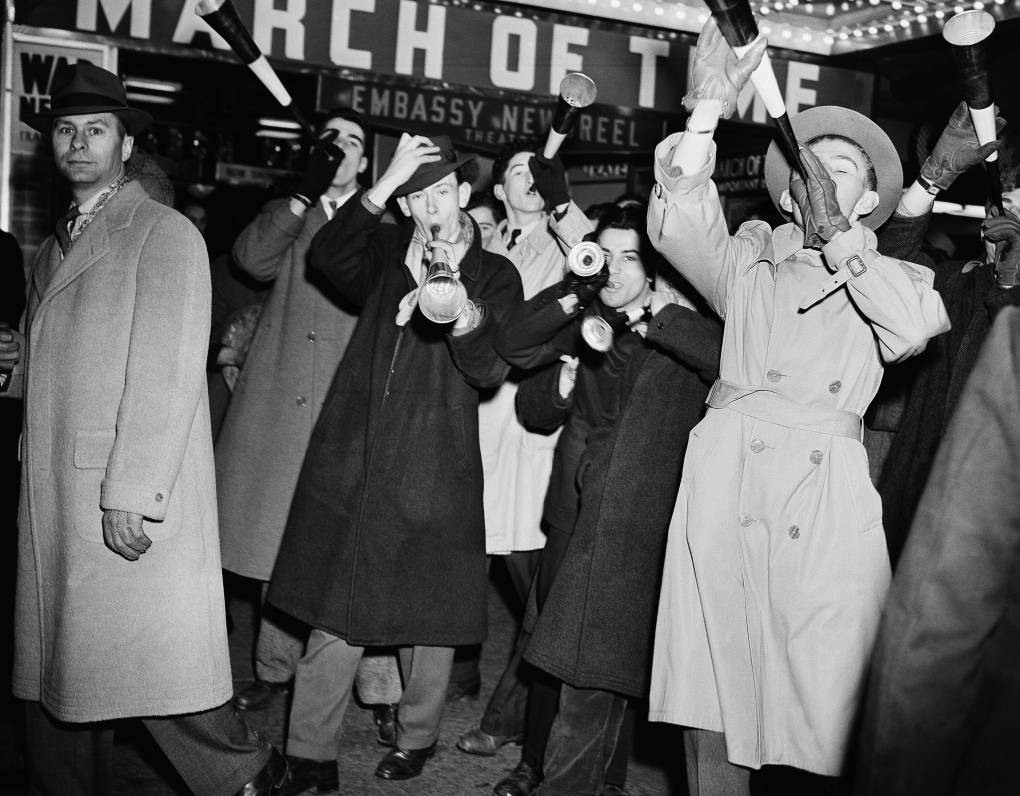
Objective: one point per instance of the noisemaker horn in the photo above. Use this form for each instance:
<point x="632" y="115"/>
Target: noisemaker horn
<point x="968" y="34"/>
<point x="222" y="17"/>
<point x="577" y="92"/>
<point x="739" y="28"/>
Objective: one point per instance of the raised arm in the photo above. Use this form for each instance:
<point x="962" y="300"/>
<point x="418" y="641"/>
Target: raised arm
<point x="540" y="330"/>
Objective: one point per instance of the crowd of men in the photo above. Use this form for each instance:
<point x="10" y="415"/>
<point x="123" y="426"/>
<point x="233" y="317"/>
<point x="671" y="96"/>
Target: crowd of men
<point x="668" y="453"/>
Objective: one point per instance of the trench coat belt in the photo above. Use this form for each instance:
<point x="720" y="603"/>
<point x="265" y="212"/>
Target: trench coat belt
<point x="766" y="404"/>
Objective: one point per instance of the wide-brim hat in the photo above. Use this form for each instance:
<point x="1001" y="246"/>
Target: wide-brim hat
<point x="428" y="173"/>
<point x="835" y="120"/>
<point x="89" y="89"/>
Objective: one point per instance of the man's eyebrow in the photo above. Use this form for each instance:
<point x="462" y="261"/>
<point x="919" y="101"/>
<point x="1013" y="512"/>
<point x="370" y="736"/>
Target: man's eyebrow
<point x="848" y="159"/>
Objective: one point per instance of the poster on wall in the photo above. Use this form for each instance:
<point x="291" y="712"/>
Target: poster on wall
<point x="36" y="61"/>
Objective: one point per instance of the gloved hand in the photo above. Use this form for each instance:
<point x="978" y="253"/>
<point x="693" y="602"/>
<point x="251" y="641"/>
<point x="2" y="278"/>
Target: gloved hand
<point x="550" y="179"/>
<point x="715" y="72"/>
<point x="586" y="288"/>
<point x="323" y="162"/>
<point x="1005" y="230"/>
<point x="956" y="150"/>
<point x="823" y="218"/>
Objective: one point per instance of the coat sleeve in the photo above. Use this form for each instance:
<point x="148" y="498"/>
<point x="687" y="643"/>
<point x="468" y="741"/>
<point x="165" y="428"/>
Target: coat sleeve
<point x="538" y="402"/>
<point x="474" y="353"/>
<point x="897" y="297"/>
<point x="571" y="228"/>
<point x="260" y="248"/>
<point x="689" y="337"/>
<point x="165" y="374"/>
<point x="349" y="250"/>
<point x="538" y="331"/>
<point x="901" y="238"/>
<point x="686" y="225"/>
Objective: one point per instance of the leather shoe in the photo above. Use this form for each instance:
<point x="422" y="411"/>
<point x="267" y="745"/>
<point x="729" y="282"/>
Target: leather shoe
<point x="269" y="779"/>
<point x="386" y="722"/>
<point x="259" y="694"/>
<point x="519" y="782"/>
<point x="305" y="774"/>
<point x="479" y="742"/>
<point x="404" y="763"/>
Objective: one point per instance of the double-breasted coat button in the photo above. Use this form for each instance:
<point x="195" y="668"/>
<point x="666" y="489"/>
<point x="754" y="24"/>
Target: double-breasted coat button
<point x="301" y="400"/>
<point x="794" y="532"/>
<point x="159" y="497"/>
<point x="816" y="457"/>
<point x="757" y="445"/>
<point x="835" y="386"/>
<point x="746" y="520"/>
<point x="773" y="375"/>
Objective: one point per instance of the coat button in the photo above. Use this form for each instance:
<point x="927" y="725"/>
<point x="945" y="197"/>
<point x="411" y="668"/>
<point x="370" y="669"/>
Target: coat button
<point x="159" y="497"/>
<point x="835" y="386"/>
<point x="746" y="520"/>
<point x="301" y="400"/>
<point x="311" y="336"/>
<point x="816" y="457"/>
<point x="773" y="375"/>
<point x="757" y="445"/>
<point x="794" y="532"/>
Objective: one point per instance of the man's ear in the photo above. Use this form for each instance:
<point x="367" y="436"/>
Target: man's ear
<point x="499" y="193"/>
<point x="402" y="204"/>
<point x="867" y="203"/>
<point x="786" y="202"/>
<point x="465" y="194"/>
<point x="362" y="164"/>
<point x="126" y="146"/>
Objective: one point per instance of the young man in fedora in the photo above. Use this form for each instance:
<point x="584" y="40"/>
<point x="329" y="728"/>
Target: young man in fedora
<point x="776" y="565"/>
<point x="384" y="545"/>
<point x="119" y="608"/>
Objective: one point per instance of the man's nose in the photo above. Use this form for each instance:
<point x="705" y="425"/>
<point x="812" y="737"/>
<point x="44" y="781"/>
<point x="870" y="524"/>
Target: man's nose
<point x="78" y="140"/>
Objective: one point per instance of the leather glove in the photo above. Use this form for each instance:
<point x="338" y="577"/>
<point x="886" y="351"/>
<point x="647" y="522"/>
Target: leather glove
<point x="586" y="288"/>
<point x="323" y="162"/>
<point x="956" y="151"/>
<point x="1004" y="229"/>
<point x="715" y="72"/>
<point x="823" y="219"/>
<point x="550" y="179"/>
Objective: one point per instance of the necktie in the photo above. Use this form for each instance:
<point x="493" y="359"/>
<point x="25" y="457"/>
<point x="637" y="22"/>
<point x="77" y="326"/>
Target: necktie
<point x="63" y="236"/>
<point x="514" y="235"/>
<point x="333" y="205"/>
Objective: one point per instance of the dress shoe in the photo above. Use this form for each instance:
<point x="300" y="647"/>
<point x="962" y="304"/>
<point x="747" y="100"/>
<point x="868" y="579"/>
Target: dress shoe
<point x="305" y="774"/>
<point x="468" y="689"/>
<point x="479" y="742"/>
<point x="386" y="723"/>
<point x="269" y="779"/>
<point x="404" y="763"/>
<point x="519" y="782"/>
<point x="259" y="694"/>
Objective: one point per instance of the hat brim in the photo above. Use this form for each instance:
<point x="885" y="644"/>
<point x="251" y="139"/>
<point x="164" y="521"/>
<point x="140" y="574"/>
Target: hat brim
<point x="430" y="173"/>
<point x="135" y="120"/>
<point x="835" y="120"/>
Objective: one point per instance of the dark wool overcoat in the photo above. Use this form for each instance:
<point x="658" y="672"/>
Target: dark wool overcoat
<point x="385" y="541"/>
<point x="596" y="627"/>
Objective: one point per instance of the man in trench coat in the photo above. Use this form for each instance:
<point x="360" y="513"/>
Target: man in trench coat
<point x="119" y="606"/>
<point x="385" y="542"/>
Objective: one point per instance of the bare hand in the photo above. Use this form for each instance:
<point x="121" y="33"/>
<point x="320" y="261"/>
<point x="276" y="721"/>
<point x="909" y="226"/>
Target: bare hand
<point x="715" y="71"/>
<point x="568" y="375"/>
<point x="10" y="348"/>
<point x="412" y="151"/>
<point x="123" y="534"/>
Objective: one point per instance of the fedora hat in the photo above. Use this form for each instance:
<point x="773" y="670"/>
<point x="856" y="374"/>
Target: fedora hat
<point x="835" y="120"/>
<point x="89" y="89"/>
<point x="428" y="173"/>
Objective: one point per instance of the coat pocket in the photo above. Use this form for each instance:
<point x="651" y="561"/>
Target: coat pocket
<point x="92" y="448"/>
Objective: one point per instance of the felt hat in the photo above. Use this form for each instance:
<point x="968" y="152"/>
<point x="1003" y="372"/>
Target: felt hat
<point x="428" y="173"/>
<point x="89" y="89"/>
<point x="835" y="120"/>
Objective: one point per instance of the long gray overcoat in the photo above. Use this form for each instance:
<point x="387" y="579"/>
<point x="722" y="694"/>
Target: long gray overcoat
<point x="385" y="543"/>
<point x="116" y="417"/>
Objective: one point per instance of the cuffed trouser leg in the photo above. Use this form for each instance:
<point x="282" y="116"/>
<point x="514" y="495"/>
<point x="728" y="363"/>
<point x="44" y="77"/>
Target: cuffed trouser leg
<point x="280" y="643"/>
<point x="581" y="742"/>
<point x="322" y="691"/>
<point x="67" y="759"/>
<point x="214" y="751"/>
<point x="426" y="673"/>
<point x="709" y="773"/>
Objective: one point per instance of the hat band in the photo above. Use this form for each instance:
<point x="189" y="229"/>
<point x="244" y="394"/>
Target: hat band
<point x="84" y="99"/>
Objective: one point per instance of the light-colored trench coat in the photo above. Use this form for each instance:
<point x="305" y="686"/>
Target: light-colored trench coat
<point x="116" y="417"/>
<point x="299" y="341"/>
<point x="516" y="462"/>
<point x="776" y="565"/>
